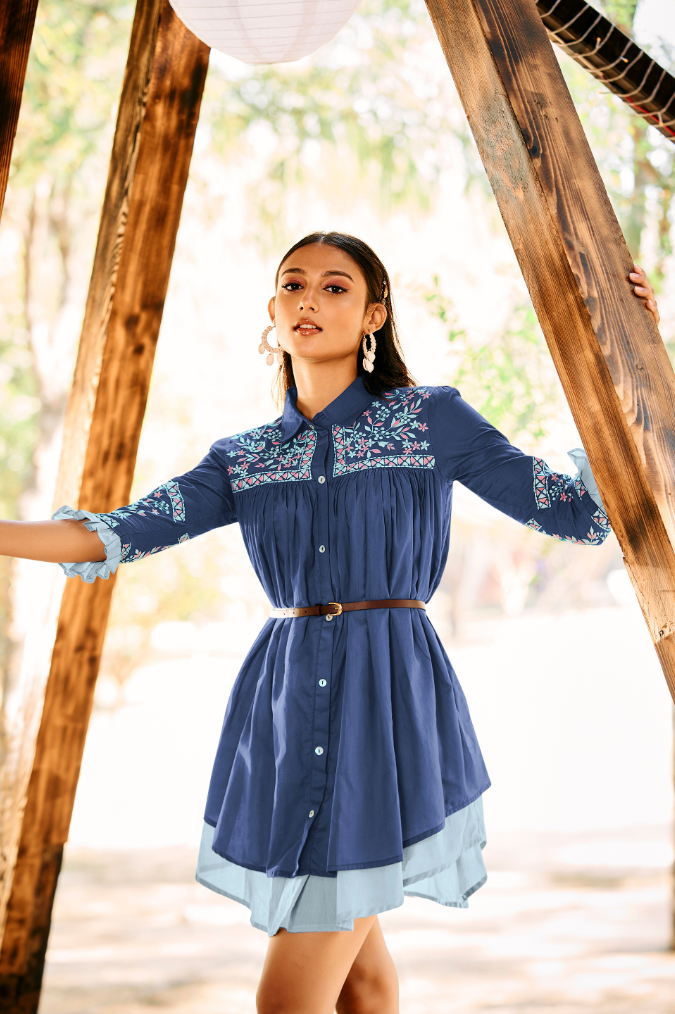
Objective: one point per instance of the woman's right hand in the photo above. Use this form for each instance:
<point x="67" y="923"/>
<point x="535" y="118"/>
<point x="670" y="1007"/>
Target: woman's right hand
<point x="52" y="541"/>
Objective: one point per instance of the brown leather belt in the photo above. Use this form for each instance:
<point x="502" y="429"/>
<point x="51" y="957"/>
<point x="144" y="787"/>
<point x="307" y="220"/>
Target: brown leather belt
<point x="335" y="608"/>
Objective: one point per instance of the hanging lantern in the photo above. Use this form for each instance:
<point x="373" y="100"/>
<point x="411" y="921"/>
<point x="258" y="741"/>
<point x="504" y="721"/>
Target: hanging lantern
<point x="257" y="32"/>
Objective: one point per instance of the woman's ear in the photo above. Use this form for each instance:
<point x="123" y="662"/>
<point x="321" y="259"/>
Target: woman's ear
<point x="270" y="309"/>
<point x="376" y="317"/>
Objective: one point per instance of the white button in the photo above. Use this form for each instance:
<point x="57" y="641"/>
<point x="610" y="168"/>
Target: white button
<point x="322" y="683"/>
<point x="311" y="813"/>
<point x="322" y="549"/>
<point x="318" y="750"/>
<point x="322" y="478"/>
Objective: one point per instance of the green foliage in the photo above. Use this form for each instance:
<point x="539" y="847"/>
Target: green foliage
<point x="636" y="161"/>
<point x="622" y="13"/>
<point x="72" y="83"/>
<point x="370" y="96"/>
<point x="18" y="429"/>
<point x="509" y="378"/>
<point x="18" y="413"/>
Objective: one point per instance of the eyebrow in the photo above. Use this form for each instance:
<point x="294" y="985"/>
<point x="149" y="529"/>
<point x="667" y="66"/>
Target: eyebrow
<point x="324" y="274"/>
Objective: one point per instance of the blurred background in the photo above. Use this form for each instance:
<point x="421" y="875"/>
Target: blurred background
<point x="366" y="136"/>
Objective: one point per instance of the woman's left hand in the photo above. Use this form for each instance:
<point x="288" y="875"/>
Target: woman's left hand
<point x="643" y="290"/>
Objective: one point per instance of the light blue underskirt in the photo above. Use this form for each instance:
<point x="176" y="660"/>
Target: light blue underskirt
<point x="447" y="867"/>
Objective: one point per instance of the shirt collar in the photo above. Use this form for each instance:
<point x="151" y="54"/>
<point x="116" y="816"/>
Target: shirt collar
<point x="344" y="409"/>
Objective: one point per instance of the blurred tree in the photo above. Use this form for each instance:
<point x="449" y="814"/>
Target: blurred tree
<point x="372" y="96"/>
<point x="509" y="378"/>
<point x="637" y="161"/>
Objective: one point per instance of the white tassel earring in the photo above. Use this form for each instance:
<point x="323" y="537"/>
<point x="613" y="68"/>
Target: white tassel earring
<point x="369" y="353"/>
<point x="271" y="350"/>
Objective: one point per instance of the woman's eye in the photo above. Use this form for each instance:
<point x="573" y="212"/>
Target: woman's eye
<point x="291" y="286"/>
<point x="335" y="288"/>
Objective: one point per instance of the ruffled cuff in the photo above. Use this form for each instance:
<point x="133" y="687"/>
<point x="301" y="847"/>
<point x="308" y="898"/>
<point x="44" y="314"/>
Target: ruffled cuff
<point x="578" y="456"/>
<point x="113" y="547"/>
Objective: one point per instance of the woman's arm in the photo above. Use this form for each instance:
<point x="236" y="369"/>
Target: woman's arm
<point x="51" y="541"/>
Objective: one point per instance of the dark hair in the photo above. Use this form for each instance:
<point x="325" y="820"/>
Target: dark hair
<point x="390" y="369"/>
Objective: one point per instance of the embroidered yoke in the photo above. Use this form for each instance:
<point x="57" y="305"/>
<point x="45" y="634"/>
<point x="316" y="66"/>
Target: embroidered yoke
<point x="346" y="739"/>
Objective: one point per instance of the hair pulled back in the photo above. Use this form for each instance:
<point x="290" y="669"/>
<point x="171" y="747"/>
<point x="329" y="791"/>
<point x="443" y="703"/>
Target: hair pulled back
<point x="390" y="369"/>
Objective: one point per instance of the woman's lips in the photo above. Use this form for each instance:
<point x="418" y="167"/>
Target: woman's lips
<point x="306" y="328"/>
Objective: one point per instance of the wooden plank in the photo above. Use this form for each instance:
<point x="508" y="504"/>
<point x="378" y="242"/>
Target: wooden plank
<point x="130" y="278"/>
<point x="608" y="352"/>
<point x="18" y="762"/>
<point x="17" y="20"/>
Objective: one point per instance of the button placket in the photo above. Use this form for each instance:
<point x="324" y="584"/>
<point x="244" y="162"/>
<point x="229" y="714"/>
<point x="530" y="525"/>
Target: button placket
<point x="318" y="744"/>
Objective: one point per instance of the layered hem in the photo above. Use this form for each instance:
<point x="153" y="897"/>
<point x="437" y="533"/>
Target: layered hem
<point x="332" y="871"/>
<point x="111" y="542"/>
<point x="447" y="867"/>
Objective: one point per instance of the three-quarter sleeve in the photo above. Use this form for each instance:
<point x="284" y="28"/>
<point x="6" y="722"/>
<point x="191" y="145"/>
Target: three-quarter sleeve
<point x="468" y="449"/>
<point x="180" y="509"/>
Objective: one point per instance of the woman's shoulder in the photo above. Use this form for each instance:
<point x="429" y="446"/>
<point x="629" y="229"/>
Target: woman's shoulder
<point x="420" y="392"/>
<point x="256" y="437"/>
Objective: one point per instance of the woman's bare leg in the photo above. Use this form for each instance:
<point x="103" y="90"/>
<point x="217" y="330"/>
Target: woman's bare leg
<point x="371" y="987"/>
<point x="305" y="972"/>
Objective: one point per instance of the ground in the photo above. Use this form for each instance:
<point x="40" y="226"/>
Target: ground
<point x="133" y="932"/>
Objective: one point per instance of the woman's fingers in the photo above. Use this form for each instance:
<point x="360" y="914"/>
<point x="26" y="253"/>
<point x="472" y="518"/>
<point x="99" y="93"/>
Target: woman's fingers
<point x="643" y="290"/>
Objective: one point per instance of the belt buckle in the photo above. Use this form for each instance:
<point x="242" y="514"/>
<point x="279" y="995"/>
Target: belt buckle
<point x="338" y="611"/>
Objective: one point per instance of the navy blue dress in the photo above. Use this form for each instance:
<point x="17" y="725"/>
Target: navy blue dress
<point x="348" y="739"/>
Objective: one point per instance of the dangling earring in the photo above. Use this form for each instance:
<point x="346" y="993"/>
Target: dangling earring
<point x="369" y="353"/>
<point x="270" y="349"/>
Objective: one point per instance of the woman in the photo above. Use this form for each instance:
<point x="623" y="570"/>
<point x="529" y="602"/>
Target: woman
<point x="348" y="772"/>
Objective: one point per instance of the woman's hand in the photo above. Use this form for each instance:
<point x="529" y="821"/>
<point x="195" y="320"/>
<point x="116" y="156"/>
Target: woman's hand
<point x="643" y="290"/>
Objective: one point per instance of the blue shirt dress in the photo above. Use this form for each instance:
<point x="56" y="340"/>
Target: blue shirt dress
<point x="348" y="772"/>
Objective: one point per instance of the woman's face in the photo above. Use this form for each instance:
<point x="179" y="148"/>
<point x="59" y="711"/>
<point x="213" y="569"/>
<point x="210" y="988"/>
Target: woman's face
<point x="320" y="308"/>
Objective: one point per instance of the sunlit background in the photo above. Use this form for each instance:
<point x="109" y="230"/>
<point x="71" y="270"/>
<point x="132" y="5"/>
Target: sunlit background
<point x="366" y="136"/>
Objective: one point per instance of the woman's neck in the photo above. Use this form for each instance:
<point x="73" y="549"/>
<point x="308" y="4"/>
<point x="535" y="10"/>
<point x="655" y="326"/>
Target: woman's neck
<point x="318" y="384"/>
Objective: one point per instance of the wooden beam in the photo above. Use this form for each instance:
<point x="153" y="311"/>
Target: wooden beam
<point x="607" y="350"/>
<point x="17" y="20"/>
<point x="149" y="168"/>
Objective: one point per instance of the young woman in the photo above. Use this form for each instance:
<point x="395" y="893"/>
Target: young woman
<point x="348" y="772"/>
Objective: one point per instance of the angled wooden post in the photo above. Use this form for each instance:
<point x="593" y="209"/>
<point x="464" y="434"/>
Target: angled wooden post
<point x="607" y="350"/>
<point x="158" y="115"/>
<point x="17" y="20"/>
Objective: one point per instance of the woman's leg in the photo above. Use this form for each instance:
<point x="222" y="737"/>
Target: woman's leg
<point x="305" y="972"/>
<point x="371" y="987"/>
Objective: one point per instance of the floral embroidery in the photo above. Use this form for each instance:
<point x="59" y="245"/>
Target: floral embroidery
<point x="177" y="502"/>
<point x="551" y="486"/>
<point x="261" y="456"/>
<point x="128" y="556"/>
<point x="601" y="520"/>
<point x="386" y="435"/>
<point x="593" y="538"/>
<point x="166" y="499"/>
<point x="579" y="486"/>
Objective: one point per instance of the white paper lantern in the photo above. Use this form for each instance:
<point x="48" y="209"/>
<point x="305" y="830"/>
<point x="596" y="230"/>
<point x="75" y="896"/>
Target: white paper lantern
<point x="258" y="32"/>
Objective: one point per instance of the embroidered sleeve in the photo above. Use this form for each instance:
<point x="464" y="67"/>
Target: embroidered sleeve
<point x="176" y="511"/>
<point x="471" y="451"/>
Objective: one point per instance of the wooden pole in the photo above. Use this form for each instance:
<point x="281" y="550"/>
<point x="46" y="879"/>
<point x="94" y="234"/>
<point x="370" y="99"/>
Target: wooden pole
<point x="17" y="20"/>
<point x="151" y="155"/>
<point x="607" y="350"/>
